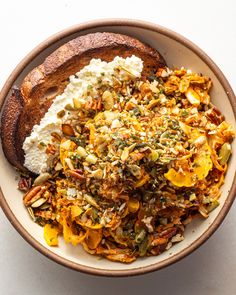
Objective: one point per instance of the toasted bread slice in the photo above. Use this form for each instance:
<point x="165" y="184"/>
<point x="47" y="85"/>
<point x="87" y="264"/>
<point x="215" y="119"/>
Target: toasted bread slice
<point x="9" y="127"/>
<point x="26" y="107"/>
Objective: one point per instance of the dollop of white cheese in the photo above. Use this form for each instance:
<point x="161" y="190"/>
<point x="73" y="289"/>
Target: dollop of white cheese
<point x="82" y="85"/>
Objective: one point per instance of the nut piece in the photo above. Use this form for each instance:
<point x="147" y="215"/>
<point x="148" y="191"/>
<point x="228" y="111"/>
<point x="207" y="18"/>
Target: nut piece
<point x="24" y="184"/>
<point x="67" y="130"/>
<point x="33" y="195"/>
<point x="145" y="88"/>
<point x="69" y="163"/>
<point x="38" y="203"/>
<point x="61" y="114"/>
<point x="153" y="104"/>
<point x="81" y="151"/>
<point x="77" y="174"/>
<point x="98" y="174"/>
<point x="91" y="159"/>
<point x="56" y="136"/>
<point x="41" y="178"/>
<point x="215" y="116"/>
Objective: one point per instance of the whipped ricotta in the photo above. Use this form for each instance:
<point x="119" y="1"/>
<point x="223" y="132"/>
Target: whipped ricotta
<point x="82" y="85"/>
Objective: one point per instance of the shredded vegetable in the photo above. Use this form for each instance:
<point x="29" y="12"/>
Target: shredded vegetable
<point x="134" y="166"/>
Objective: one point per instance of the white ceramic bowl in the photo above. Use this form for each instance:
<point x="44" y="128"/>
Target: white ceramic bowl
<point x="177" y="51"/>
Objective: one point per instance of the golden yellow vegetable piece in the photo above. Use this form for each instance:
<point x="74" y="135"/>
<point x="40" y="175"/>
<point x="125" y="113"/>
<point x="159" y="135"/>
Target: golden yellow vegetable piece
<point x="92" y="134"/>
<point x="91" y="226"/>
<point x="202" y="162"/>
<point x="93" y="238"/>
<point x="201" y="166"/>
<point x="193" y="96"/>
<point x="180" y="179"/>
<point x="142" y="181"/>
<point x="135" y="123"/>
<point x="50" y="235"/>
<point x="69" y="236"/>
<point x="75" y="211"/>
<point x="133" y="205"/>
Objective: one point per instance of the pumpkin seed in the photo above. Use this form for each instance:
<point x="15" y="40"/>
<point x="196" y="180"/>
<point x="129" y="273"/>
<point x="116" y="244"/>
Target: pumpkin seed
<point x="225" y="153"/>
<point x="38" y="203"/>
<point x="131" y="147"/>
<point x="140" y="236"/>
<point x="41" y="178"/>
<point x="143" y="247"/>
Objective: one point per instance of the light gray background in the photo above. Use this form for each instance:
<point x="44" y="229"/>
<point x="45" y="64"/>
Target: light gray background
<point x="212" y="26"/>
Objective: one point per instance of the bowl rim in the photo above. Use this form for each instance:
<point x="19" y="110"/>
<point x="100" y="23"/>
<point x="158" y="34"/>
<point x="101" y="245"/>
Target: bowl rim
<point x="111" y="23"/>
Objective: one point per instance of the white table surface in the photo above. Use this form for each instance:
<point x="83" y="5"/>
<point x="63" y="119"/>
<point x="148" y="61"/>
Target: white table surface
<point x="212" y="26"/>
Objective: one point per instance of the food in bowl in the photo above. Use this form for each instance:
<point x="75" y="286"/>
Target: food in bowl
<point x="127" y="151"/>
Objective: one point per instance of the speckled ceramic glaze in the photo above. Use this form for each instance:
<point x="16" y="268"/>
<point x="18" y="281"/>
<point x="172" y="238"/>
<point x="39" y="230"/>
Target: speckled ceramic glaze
<point x="177" y="51"/>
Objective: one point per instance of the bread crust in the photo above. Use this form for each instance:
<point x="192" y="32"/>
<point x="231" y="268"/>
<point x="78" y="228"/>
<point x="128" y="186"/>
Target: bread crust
<point x="9" y="126"/>
<point x="49" y="79"/>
